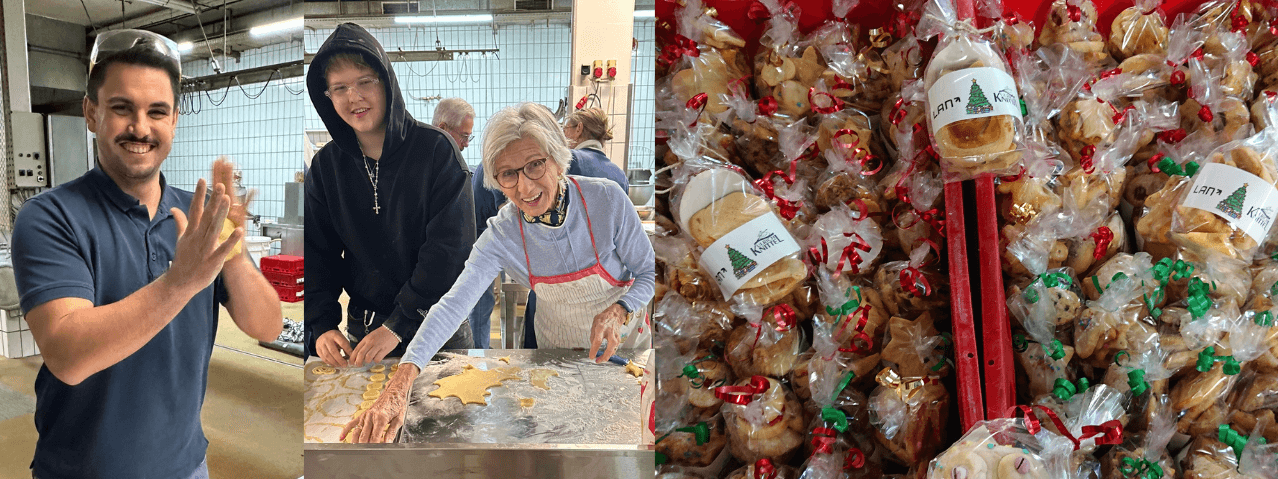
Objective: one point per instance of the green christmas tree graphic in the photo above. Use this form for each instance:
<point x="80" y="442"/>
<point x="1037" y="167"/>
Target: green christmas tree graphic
<point x="976" y="102"/>
<point x="741" y="265"/>
<point x="1233" y="205"/>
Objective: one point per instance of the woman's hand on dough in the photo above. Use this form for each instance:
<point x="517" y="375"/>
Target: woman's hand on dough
<point x="330" y="346"/>
<point x="607" y="325"/>
<point x="374" y="347"/>
<point x="382" y="421"/>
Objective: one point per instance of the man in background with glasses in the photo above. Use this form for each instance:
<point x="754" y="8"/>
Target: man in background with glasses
<point x="120" y="276"/>
<point x="389" y="211"/>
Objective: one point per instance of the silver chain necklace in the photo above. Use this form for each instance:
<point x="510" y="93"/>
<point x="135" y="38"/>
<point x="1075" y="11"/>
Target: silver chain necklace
<point x="373" y="173"/>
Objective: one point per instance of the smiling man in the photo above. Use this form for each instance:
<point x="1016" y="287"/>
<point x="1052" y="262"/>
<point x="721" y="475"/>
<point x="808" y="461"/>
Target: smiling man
<point x="389" y="212"/>
<point x="121" y="275"/>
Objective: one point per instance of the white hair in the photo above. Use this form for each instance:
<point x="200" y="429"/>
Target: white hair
<point x="452" y="112"/>
<point x="526" y="120"/>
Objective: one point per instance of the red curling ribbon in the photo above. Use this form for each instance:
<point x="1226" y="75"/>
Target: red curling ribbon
<point x="697" y="101"/>
<point x="934" y="217"/>
<point x="1204" y="114"/>
<point x="763" y="469"/>
<point x="1109" y="432"/>
<point x="1075" y="13"/>
<point x="767" y="106"/>
<point x="785" y="316"/>
<point x="844" y="144"/>
<point x="854" y="460"/>
<point x="1109" y="73"/>
<point x="840" y="84"/>
<point x="1103" y="237"/>
<point x="1172" y="136"/>
<point x="835" y="103"/>
<point x="875" y="160"/>
<point x="862" y="210"/>
<point x="862" y="316"/>
<point x="850" y="255"/>
<point x="1198" y="53"/>
<point x="686" y="46"/>
<point x="898" y="112"/>
<point x="935" y="248"/>
<point x="1238" y="23"/>
<point x="1270" y="95"/>
<point x="742" y="395"/>
<point x="1153" y="162"/>
<point x="823" y="440"/>
<point x="1253" y="59"/>
<point x="1012" y="178"/>
<point x="757" y="11"/>
<point x="789" y="209"/>
<point x="1120" y="115"/>
<point x="1086" y="159"/>
<point x="1177" y="77"/>
<point x="911" y="278"/>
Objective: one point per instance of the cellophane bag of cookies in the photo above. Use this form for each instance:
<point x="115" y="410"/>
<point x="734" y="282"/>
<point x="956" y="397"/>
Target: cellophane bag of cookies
<point x="764" y="469"/>
<point x="768" y="344"/>
<point x="746" y="249"/>
<point x="785" y="66"/>
<point x="1258" y="459"/>
<point x="763" y="418"/>
<point x="974" y="109"/>
<point x="695" y="440"/>
<point x="705" y="56"/>
<point x="1009" y="447"/>
<point x="845" y="242"/>
<point x="1228" y="210"/>
<point x="1138" y="29"/>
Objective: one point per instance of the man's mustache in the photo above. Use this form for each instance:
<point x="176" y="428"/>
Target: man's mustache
<point x="123" y="137"/>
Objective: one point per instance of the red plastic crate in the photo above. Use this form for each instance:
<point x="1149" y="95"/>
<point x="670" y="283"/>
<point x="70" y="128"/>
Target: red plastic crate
<point x="290" y="294"/>
<point x="282" y="263"/>
<point x="284" y="279"/>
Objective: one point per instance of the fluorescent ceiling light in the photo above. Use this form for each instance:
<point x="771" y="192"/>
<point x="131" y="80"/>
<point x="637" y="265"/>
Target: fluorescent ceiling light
<point x="445" y="19"/>
<point x="281" y="26"/>
<point x="185" y="47"/>
<point x="645" y="13"/>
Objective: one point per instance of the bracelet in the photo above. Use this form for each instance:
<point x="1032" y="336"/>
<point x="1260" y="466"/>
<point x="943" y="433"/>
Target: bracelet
<point x="392" y="332"/>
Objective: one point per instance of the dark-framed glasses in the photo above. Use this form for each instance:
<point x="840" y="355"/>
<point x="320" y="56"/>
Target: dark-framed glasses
<point x="366" y="86"/>
<point x="534" y="170"/>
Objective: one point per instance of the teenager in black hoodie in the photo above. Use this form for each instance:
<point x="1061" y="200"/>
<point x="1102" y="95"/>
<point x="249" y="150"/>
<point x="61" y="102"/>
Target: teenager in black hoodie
<point x="389" y="209"/>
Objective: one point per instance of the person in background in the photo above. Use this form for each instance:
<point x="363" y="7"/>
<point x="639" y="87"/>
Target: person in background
<point x="575" y="240"/>
<point x="585" y="162"/>
<point x="120" y="276"/>
<point x="390" y="217"/>
<point x="457" y="118"/>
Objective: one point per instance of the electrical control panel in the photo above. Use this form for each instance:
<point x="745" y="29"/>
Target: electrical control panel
<point x="29" y="167"/>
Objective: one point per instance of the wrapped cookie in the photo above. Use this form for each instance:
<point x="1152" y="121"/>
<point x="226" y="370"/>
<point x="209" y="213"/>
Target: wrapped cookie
<point x="1073" y="23"/>
<point x="910" y="407"/>
<point x="1010" y="447"/>
<point x="1226" y="212"/>
<point x="1138" y="29"/>
<point x="697" y="442"/>
<point x="786" y="67"/>
<point x="705" y="56"/>
<point x="842" y="241"/>
<point x="764" y="469"/>
<point x="973" y="103"/>
<point x="747" y="250"/>
<point x="763" y="419"/>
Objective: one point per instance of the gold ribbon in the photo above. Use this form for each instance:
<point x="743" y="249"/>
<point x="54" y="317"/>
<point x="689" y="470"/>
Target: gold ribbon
<point x="906" y="388"/>
<point x="879" y="37"/>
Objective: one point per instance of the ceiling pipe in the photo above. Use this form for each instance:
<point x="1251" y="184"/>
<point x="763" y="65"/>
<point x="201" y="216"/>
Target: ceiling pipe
<point x="179" y="5"/>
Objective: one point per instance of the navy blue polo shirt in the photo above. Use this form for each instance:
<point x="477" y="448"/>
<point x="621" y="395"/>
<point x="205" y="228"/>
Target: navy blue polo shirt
<point x="139" y="418"/>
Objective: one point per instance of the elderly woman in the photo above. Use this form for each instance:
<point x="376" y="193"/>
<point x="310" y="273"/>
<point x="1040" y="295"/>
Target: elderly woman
<point x="576" y="241"/>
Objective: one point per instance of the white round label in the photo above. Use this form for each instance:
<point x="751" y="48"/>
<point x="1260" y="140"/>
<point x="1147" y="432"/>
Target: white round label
<point x="972" y="93"/>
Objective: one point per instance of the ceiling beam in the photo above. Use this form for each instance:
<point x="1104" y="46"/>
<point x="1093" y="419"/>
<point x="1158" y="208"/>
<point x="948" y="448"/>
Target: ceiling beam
<point x="179" y="5"/>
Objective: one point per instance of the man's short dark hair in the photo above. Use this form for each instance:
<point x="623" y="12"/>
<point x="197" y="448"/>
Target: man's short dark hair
<point x="136" y="56"/>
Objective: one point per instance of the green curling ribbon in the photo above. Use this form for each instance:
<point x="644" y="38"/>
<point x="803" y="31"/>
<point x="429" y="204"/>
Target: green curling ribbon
<point x="1064" y="389"/>
<point x="1207" y="357"/>
<point x="847" y="378"/>
<point x="662" y="459"/>
<point x="1055" y="351"/>
<point x="1191" y="168"/>
<point x="1198" y="302"/>
<point x="1233" y="439"/>
<point x="849" y="306"/>
<point x="1274" y="256"/>
<point x="1019" y="343"/>
<point x="700" y="431"/>
<point x="1140" y="469"/>
<point x="1024" y="109"/>
<point x="1136" y="381"/>
<point x="690" y="371"/>
<point x="836" y="417"/>
<point x="1052" y="280"/>
<point x="1031" y="295"/>
<point x="1096" y="283"/>
<point x="1151" y="301"/>
<point x="1273" y="290"/>
<point x="1265" y="318"/>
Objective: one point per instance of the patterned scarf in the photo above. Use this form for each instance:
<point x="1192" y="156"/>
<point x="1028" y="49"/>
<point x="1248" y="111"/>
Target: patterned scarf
<point x="556" y="216"/>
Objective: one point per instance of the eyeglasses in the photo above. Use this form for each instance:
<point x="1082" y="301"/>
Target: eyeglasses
<point x="366" y="87"/>
<point x="534" y="170"/>
<point x="115" y="41"/>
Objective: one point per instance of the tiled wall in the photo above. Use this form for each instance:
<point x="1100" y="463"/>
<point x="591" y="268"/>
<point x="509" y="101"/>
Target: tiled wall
<point x="258" y="125"/>
<point x="532" y="65"/>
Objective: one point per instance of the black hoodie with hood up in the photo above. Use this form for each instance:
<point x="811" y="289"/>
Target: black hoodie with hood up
<point x="400" y="262"/>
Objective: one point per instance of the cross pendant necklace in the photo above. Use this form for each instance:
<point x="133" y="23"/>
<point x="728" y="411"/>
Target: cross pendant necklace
<point x="373" y="173"/>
